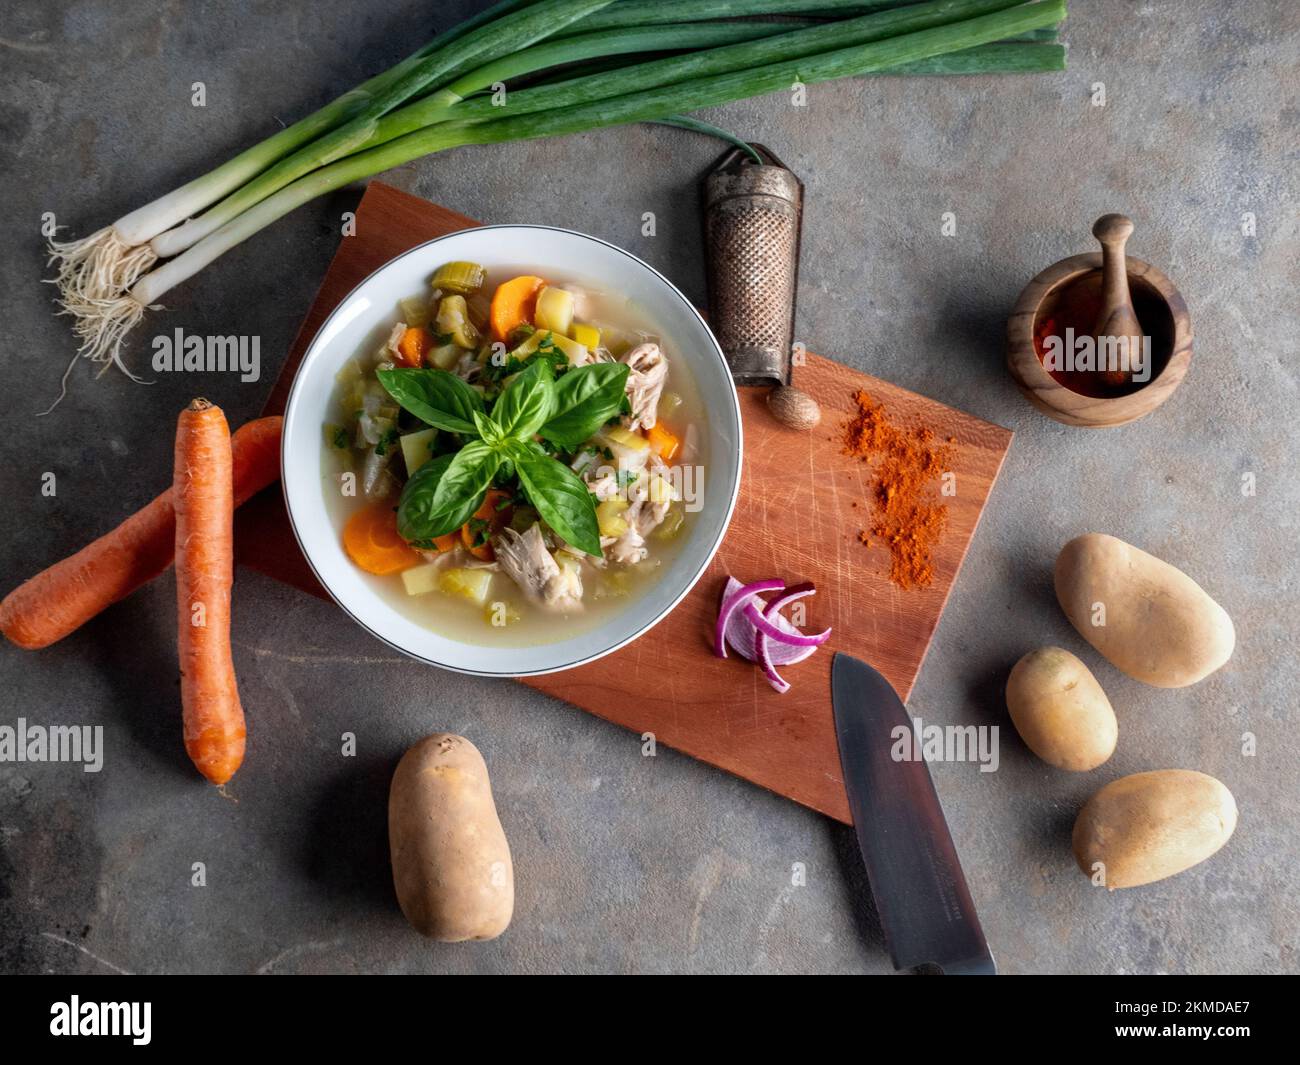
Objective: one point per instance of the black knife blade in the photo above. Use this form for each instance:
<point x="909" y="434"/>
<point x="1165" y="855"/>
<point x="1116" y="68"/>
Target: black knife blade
<point x="925" y="907"/>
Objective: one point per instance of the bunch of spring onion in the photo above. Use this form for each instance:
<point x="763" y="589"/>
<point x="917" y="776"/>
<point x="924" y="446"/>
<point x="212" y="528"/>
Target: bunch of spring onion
<point x="567" y="66"/>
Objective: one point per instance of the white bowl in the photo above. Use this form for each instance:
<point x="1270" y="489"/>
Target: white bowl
<point x="373" y="305"/>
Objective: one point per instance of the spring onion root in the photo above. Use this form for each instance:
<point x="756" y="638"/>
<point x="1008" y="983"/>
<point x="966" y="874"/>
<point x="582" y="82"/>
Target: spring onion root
<point x="97" y="266"/>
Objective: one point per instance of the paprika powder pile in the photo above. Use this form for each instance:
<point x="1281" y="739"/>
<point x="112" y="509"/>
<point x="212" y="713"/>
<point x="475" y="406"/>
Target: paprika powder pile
<point x="907" y="517"/>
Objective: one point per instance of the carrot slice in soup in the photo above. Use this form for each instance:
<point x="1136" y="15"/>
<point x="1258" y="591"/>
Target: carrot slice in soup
<point x="513" y="304"/>
<point x="663" y="441"/>
<point x="372" y="541"/>
<point x="415" y="342"/>
<point x="477" y="533"/>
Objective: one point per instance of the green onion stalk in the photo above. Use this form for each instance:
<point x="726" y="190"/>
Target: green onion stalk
<point x="662" y="35"/>
<point x="695" y="125"/>
<point x="774" y="41"/>
<point x="108" y="262"/>
<point x="965" y="46"/>
<point x="439" y="105"/>
<point x="662" y="11"/>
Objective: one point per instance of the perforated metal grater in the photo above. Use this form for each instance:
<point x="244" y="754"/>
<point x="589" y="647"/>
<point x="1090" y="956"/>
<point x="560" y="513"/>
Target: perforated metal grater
<point x="752" y="217"/>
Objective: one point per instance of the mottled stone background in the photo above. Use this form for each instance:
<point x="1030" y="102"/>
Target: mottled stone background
<point x="626" y="863"/>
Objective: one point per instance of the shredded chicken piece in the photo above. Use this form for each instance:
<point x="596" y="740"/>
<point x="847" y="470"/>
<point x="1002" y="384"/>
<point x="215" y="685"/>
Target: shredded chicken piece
<point x="648" y="368"/>
<point x="394" y="338"/>
<point x="469" y="368"/>
<point x="643" y="516"/>
<point x="581" y="301"/>
<point x="459" y="556"/>
<point x="525" y="560"/>
<point x="601" y="483"/>
<point x="627" y="550"/>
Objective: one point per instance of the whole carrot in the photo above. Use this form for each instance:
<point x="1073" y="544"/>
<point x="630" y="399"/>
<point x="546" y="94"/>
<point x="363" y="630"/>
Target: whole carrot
<point x="203" y="495"/>
<point x="60" y="599"/>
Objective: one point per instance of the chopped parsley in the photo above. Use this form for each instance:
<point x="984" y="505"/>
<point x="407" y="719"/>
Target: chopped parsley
<point x="480" y="529"/>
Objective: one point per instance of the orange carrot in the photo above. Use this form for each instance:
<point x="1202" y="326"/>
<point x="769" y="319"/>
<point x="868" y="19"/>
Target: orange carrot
<point x="495" y="515"/>
<point x="415" y="342"/>
<point x="203" y="493"/>
<point x="446" y="543"/>
<point x="372" y="541"/>
<point x="663" y="441"/>
<point x="59" y="600"/>
<point x="513" y="304"/>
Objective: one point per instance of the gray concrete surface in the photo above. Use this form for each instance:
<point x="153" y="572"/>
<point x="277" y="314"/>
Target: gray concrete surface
<point x="664" y="865"/>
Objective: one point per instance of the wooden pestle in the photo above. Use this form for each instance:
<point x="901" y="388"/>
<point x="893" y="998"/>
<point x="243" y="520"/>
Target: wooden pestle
<point x="1116" y="317"/>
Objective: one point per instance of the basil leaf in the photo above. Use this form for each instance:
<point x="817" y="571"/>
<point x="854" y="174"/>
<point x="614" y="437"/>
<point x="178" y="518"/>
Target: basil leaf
<point x="443" y="494"/>
<point x="489" y="430"/>
<point x="413" y="521"/>
<point x="559" y="496"/>
<point x="586" y="397"/>
<point x="527" y="401"/>
<point x="436" y="397"/>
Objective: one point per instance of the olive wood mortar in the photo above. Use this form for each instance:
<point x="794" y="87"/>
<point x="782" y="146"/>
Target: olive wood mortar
<point x="1171" y="357"/>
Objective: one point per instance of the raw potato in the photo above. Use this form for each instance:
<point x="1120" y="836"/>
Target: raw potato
<point x="451" y="862"/>
<point x="1160" y="627"/>
<point x="1148" y="826"/>
<point x="1060" y="710"/>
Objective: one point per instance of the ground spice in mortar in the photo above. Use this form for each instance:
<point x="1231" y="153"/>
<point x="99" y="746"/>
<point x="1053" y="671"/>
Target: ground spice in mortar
<point x="907" y="463"/>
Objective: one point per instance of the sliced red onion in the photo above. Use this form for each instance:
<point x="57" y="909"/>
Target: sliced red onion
<point x="795" y="591"/>
<point x="740" y="633"/>
<point x="772" y="632"/>
<point x="765" y="664"/>
<point x="732" y="601"/>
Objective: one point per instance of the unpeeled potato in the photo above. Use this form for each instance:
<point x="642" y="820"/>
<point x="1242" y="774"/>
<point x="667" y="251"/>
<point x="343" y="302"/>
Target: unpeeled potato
<point x="451" y="862"/>
<point x="1149" y="619"/>
<point x="1145" y="827"/>
<point x="1060" y="710"/>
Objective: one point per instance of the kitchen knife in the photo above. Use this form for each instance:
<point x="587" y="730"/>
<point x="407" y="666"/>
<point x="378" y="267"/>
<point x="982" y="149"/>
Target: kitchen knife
<point x="921" y="895"/>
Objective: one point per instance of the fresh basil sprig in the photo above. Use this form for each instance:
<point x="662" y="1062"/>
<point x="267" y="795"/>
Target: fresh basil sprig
<point x="444" y="494"/>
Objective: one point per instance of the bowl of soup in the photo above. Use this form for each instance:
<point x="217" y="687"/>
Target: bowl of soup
<point x="511" y="450"/>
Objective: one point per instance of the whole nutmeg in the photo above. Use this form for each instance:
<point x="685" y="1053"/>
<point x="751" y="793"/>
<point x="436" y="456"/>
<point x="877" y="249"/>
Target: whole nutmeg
<point x="793" y="408"/>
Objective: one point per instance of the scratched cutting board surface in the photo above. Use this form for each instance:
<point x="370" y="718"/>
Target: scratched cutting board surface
<point x="794" y="519"/>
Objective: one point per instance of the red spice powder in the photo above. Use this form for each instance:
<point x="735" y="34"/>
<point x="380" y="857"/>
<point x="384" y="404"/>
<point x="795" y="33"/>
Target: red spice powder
<point x="906" y="517"/>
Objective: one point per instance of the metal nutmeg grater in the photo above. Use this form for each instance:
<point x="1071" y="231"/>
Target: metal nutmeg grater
<point x="752" y="215"/>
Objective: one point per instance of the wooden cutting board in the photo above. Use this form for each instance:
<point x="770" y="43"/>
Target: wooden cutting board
<point x="795" y="520"/>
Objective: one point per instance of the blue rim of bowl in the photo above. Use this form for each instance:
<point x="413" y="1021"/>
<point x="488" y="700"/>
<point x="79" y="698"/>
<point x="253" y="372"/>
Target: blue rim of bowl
<point x="695" y="577"/>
